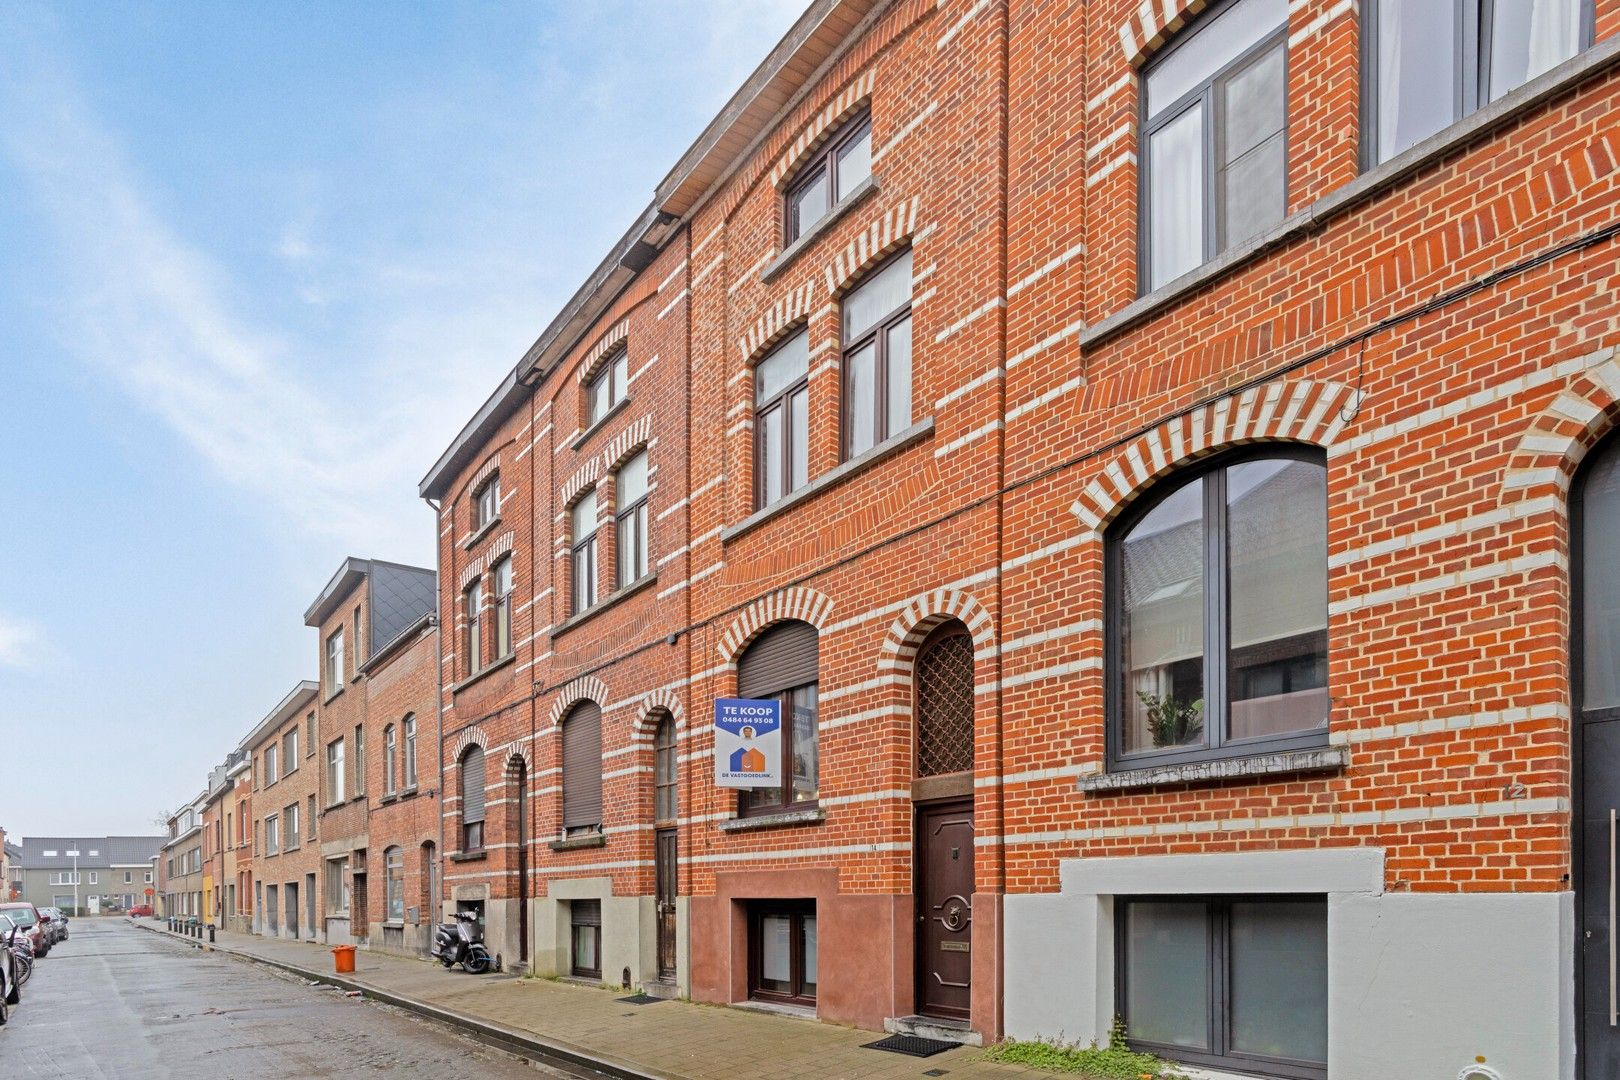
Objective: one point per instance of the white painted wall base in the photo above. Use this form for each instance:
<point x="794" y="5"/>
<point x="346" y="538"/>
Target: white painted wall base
<point x="629" y="930"/>
<point x="1418" y="984"/>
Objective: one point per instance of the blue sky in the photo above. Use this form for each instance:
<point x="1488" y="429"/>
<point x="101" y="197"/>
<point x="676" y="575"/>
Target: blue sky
<point x="258" y="263"/>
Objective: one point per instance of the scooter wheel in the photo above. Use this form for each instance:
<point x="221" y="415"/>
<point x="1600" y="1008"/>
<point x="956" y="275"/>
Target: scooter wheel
<point x="477" y="965"/>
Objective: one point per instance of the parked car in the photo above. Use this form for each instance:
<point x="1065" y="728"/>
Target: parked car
<point x="59" y="922"/>
<point x="27" y="918"/>
<point x="141" y="911"/>
<point x="10" y="981"/>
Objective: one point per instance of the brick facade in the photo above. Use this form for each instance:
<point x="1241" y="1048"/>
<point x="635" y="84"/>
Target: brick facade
<point x="290" y="868"/>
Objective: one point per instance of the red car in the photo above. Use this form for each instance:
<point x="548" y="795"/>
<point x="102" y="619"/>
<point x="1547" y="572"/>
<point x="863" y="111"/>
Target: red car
<point x="141" y="911"/>
<point x="27" y="916"/>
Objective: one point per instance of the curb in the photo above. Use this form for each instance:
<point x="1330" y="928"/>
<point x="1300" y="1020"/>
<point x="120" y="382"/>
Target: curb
<point x="523" y="1044"/>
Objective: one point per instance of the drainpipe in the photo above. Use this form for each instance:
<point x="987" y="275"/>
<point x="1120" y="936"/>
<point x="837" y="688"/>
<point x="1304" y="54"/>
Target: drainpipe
<point x="438" y="712"/>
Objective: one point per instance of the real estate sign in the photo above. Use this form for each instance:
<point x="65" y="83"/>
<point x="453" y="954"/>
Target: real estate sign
<point x="747" y="742"/>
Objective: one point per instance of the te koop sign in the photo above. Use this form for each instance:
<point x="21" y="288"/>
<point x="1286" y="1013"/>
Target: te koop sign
<point x="747" y="743"/>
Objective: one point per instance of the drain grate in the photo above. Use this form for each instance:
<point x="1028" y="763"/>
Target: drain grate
<point x="639" y="999"/>
<point x="914" y="1045"/>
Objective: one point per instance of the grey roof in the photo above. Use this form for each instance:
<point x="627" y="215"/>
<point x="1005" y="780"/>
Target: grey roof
<point x="112" y="851"/>
<point x="400" y="596"/>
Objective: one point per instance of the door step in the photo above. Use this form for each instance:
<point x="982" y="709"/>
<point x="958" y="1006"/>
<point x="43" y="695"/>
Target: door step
<point x="664" y="991"/>
<point x="934" y="1027"/>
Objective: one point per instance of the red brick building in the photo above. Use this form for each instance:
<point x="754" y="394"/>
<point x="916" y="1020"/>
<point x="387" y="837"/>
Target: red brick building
<point x="239" y="910"/>
<point x="1155" y="455"/>
<point x="286" y="785"/>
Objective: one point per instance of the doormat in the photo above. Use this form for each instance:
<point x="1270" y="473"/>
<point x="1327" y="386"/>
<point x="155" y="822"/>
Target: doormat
<point x="640" y="999"/>
<point x="914" y="1045"/>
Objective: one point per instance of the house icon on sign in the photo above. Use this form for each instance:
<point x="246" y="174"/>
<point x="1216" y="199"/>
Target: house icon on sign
<point x="747" y="760"/>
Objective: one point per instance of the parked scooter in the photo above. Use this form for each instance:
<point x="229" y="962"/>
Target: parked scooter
<point x="461" y="943"/>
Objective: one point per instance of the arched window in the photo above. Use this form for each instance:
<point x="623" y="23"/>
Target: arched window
<point x="666" y="804"/>
<point x="390" y="767"/>
<point x="582" y="769"/>
<point x="429" y="900"/>
<point x="472" y="799"/>
<point x="410" y="753"/>
<point x="1597" y="539"/>
<point x="783" y="663"/>
<point x="394" y="867"/>
<point x="1218" y="612"/>
<point x="944" y="701"/>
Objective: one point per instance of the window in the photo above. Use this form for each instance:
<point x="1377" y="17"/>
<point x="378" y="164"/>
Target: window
<point x="1430" y="64"/>
<point x="272" y="836"/>
<point x="310" y="819"/>
<point x="410" y="752"/>
<point x="1596" y="530"/>
<point x="608" y="387"/>
<point x="473" y="602"/>
<point x="358" y="781"/>
<point x="1218" y="611"/>
<point x="337" y="886"/>
<point x="488" y="505"/>
<point x="877" y="356"/>
<point x="359" y="641"/>
<point x="394" y="868"/>
<point x="93" y="853"/>
<point x="503" y="608"/>
<point x="95" y="878"/>
<point x="389" y="747"/>
<point x="289" y="815"/>
<point x="1237" y="982"/>
<point x="630" y="493"/>
<point x="129" y="878"/>
<point x="334" y="662"/>
<point x="582" y="769"/>
<point x="840" y="166"/>
<point x="472" y="799"/>
<point x="269" y="765"/>
<point x="782" y="664"/>
<point x="585" y="918"/>
<point x="334" y="772"/>
<point x="289" y="751"/>
<point x="584" y="551"/>
<point x="782" y="952"/>
<point x="1213" y="120"/>
<point x="665" y="774"/>
<point x="149" y="877"/>
<point x="309" y="735"/>
<point x="782" y="420"/>
<point x="944" y="701"/>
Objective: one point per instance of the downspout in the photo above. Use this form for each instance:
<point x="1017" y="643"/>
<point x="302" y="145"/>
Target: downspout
<point x="438" y="708"/>
<point x="1004" y="81"/>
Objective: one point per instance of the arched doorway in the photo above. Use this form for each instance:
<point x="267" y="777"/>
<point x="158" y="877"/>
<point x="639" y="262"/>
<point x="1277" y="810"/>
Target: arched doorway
<point x="666" y="807"/>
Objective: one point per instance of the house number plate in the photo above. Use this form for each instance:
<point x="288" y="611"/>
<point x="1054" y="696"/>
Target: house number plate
<point x="953" y="946"/>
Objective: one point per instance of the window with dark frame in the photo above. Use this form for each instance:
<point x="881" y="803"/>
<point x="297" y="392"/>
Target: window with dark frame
<point x="335" y="774"/>
<point x="782" y="420"/>
<point x="630" y="519"/>
<point x="1217" y="611"/>
<point x="1239" y="982"/>
<point x="783" y="953"/>
<point x="831" y="175"/>
<point x="503" y="608"/>
<point x="876" y="319"/>
<point x="487" y="506"/>
<point x="389" y="767"/>
<point x="334" y="662"/>
<point x="473" y="613"/>
<point x="289" y="751"/>
<point x="472" y="799"/>
<point x="1425" y="66"/>
<point x="782" y="663"/>
<point x="410" y="752"/>
<point x="583" y="551"/>
<point x="666" y="799"/>
<point x="582" y="769"/>
<point x="1214" y="138"/>
<point x="585" y="932"/>
<point x="359" y="643"/>
<point x="607" y="387"/>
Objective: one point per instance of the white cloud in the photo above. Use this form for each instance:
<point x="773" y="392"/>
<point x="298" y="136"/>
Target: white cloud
<point x="19" y="643"/>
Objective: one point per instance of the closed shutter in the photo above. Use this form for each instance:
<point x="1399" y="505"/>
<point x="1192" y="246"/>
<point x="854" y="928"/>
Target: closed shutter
<point x="782" y="657"/>
<point x="472" y="786"/>
<point x="582" y="766"/>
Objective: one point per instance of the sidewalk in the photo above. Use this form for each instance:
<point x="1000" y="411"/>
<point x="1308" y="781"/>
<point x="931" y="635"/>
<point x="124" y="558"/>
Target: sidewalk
<point x="676" y="1040"/>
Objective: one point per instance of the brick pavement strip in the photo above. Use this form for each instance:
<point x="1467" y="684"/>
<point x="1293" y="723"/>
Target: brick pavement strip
<point x="672" y="1040"/>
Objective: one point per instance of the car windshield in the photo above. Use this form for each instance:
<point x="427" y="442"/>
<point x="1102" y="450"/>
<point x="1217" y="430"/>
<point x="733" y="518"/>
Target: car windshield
<point x="20" y="916"/>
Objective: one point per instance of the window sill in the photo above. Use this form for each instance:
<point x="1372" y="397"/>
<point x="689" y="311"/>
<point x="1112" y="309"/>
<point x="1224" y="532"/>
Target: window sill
<point x="1369" y="184"/>
<point x="1321" y="759"/>
<point x="922" y="429"/>
<point x="392" y="924"/>
<point x="483" y="671"/>
<point x="812" y="816"/>
<point x="869" y="186"/>
<point x="576" y="843"/>
<point x="333" y="696"/>
<point x="386" y="799"/>
<point x="603" y="604"/>
<point x="481" y="532"/>
<point x="469" y="856"/>
<point x="617" y="408"/>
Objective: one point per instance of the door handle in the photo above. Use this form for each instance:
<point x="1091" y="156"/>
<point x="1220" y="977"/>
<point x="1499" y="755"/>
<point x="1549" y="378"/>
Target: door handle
<point x="1614" y="1007"/>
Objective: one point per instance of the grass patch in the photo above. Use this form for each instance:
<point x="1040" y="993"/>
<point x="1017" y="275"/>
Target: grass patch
<point x="1113" y="1062"/>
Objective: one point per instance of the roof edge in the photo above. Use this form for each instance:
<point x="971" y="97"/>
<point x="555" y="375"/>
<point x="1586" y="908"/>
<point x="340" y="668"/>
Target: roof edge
<point x="299" y="696"/>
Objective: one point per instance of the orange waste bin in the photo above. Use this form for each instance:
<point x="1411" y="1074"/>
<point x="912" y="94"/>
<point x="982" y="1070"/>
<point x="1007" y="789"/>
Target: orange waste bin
<point x="343" y="958"/>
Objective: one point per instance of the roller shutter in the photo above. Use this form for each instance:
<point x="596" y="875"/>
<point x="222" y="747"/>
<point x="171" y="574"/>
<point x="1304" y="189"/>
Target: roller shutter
<point x="582" y="767"/>
<point x="472" y="786"/>
<point x="782" y="657"/>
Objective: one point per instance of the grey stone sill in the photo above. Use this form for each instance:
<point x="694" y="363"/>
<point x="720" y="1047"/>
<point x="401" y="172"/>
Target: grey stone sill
<point x="869" y="186"/>
<point x="1320" y="759"/>
<point x="481" y="672"/>
<point x="468" y="856"/>
<point x="386" y="799"/>
<point x="831" y="478"/>
<point x="481" y="532"/>
<point x="603" y="604"/>
<point x="813" y="816"/>
<point x="1376" y="180"/>
<point x="575" y="843"/>
<point x="622" y="404"/>
<point x="333" y="696"/>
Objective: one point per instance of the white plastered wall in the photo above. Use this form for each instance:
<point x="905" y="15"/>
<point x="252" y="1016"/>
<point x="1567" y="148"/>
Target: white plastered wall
<point x="1419" y="984"/>
<point x="629" y="933"/>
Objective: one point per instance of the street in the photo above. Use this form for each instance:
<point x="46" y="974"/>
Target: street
<point x="116" y="1001"/>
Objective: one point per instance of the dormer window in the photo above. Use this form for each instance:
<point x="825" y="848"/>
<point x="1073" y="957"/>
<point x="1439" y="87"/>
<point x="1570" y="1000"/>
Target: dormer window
<point x="608" y="386"/>
<point x="489" y="503"/>
<point x="840" y="166"/>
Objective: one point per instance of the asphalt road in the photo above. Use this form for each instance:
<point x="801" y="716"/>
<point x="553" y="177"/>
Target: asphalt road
<point x="116" y="1001"/>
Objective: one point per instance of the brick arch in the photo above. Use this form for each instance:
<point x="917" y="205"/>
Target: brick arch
<point x="655" y="703"/>
<point x="517" y="754"/>
<point x="1153" y="22"/>
<point x="1547" y="455"/>
<point x="1301" y="410"/>
<point x="609" y="343"/>
<point x="923" y="614"/>
<point x="798" y="602"/>
<point x="589" y="688"/>
<point x="469" y="737"/>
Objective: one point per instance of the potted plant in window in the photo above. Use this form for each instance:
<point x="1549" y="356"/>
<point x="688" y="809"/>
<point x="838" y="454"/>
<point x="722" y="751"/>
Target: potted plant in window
<point x="1172" y="722"/>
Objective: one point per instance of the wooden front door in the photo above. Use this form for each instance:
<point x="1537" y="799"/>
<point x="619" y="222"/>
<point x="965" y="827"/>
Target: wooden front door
<point x="665" y="847"/>
<point x="944" y="891"/>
